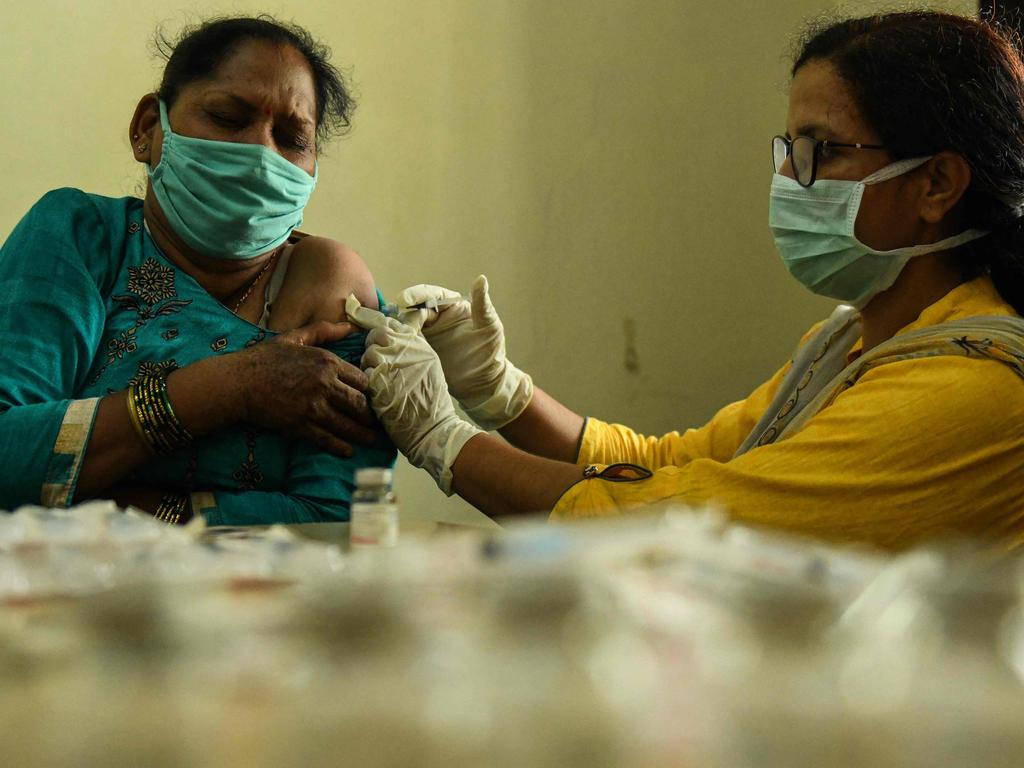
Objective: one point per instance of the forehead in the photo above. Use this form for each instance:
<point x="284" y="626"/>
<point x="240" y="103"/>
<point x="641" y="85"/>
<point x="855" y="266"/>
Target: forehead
<point x="266" y="73"/>
<point x="821" y="105"/>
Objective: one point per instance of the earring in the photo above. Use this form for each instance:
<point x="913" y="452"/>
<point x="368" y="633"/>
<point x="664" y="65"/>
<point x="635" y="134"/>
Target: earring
<point x="135" y="137"/>
<point x="142" y="147"/>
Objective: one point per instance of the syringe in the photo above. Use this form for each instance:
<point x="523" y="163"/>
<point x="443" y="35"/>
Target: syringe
<point x="395" y="310"/>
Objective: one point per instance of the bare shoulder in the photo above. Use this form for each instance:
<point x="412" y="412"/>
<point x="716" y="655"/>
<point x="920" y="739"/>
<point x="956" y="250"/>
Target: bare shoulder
<point x="321" y="274"/>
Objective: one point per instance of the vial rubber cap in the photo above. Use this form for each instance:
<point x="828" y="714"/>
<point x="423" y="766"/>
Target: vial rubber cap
<point x="373" y="476"/>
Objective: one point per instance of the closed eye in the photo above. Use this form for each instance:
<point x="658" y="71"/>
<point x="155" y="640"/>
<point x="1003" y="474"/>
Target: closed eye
<point x="298" y="143"/>
<point x="226" y="121"/>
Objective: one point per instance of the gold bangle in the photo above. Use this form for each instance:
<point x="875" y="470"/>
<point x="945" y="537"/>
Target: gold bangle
<point x="172" y="425"/>
<point x="133" y="416"/>
<point x="158" y="424"/>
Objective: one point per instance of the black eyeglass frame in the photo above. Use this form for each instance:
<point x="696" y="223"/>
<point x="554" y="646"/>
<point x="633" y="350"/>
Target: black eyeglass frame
<point x="818" y="144"/>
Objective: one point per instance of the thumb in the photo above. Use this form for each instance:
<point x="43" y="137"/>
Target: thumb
<point x="319" y="333"/>
<point x="363" y="316"/>
<point x="483" y="310"/>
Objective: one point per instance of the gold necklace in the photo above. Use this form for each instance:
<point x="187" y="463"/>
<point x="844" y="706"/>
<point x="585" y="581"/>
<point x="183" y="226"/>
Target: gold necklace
<point x="268" y="265"/>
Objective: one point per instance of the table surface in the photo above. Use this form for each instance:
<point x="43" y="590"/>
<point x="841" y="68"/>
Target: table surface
<point x="338" y="533"/>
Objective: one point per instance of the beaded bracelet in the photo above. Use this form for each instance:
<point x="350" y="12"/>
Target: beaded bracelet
<point x="153" y="417"/>
<point x="174" y="509"/>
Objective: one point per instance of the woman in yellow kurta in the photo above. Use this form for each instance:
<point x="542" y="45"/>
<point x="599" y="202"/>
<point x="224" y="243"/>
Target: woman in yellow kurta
<point x="899" y="190"/>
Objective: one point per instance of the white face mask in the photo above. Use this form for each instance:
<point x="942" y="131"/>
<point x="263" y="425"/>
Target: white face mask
<point x="814" y="229"/>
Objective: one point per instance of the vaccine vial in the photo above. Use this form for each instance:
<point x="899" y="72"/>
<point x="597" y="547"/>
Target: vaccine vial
<point x="374" y="511"/>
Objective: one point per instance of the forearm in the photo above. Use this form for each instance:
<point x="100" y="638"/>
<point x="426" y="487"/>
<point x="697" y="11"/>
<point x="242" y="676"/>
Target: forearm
<point x="546" y="428"/>
<point x="205" y="397"/>
<point x="146" y="498"/>
<point x="499" y="479"/>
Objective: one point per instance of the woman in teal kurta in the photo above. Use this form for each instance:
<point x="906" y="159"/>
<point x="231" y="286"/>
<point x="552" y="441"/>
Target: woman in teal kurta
<point x="90" y="304"/>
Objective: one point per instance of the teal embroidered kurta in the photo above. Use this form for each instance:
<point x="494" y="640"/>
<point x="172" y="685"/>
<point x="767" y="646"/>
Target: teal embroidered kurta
<point x="87" y="304"/>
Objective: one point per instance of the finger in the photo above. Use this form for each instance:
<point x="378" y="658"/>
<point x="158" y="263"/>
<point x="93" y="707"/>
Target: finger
<point x="351" y="375"/>
<point x="362" y="316"/>
<point x="328" y="441"/>
<point x="319" y="333"/>
<point x="389" y="334"/>
<point x="391" y="357"/>
<point x="374" y="357"/>
<point x="352" y="430"/>
<point x="417" y="294"/>
<point x="344" y="414"/>
<point x="417" y="318"/>
<point x="483" y="310"/>
<point x="348" y="401"/>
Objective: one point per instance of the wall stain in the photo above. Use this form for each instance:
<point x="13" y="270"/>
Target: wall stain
<point x="631" y="362"/>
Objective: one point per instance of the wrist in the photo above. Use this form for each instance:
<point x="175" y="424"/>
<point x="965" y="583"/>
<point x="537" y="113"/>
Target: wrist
<point x="209" y="394"/>
<point x="438" y="449"/>
<point x="502" y="403"/>
<point x="224" y="380"/>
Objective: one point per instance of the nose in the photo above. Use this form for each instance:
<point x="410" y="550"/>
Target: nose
<point x="781" y="149"/>
<point x="261" y="132"/>
<point x="786" y="169"/>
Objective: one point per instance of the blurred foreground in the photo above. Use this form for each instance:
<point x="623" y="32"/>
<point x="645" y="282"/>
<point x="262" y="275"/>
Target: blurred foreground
<point x="670" y="640"/>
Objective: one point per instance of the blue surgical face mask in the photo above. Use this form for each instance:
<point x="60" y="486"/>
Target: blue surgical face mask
<point x="226" y="199"/>
<point x="814" y="233"/>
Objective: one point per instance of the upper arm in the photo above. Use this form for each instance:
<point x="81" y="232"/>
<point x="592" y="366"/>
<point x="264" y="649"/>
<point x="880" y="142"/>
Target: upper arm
<point x="52" y="312"/>
<point x="321" y="274"/>
<point x="52" y="315"/>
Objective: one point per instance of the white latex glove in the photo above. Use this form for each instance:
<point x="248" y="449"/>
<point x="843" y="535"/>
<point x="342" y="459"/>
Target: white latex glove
<point x="409" y="395"/>
<point x="470" y="340"/>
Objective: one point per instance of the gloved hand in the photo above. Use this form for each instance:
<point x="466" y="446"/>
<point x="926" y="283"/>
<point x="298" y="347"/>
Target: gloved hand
<point x="409" y="395"/>
<point x="470" y="341"/>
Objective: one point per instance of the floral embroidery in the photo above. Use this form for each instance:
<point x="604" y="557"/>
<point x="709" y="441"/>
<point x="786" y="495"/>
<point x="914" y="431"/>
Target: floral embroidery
<point x="169" y="334"/>
<point x="121" y="345"/>
<point x="248" y="475"/>
<point x="150" y="294"/>
<point x="219" y="345"/>
<point x="150" y="368"/>
<point x="147" y="313"/>
<point x="152" y="282"/>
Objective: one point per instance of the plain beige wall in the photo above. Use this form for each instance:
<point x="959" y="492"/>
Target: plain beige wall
<point x="605" y="163"/>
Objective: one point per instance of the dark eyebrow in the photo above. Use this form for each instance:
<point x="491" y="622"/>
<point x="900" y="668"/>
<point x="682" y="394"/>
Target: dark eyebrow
<point x="297" y="121"/>
<point x="813" y="130"/>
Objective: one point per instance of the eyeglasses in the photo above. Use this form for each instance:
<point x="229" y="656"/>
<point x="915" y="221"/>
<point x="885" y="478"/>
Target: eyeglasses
<point x="805" y="152"/>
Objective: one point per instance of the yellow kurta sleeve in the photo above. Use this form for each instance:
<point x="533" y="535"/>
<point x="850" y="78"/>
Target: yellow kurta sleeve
<point x="604" y="443"/>
<point x="914" y="449"/>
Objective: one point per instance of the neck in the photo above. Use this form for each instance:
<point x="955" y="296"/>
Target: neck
<point x="224" y="279"/>
<point x="924" y="281"/>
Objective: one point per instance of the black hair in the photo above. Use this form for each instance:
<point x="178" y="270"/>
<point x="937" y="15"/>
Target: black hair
<point x="928" y="82"/>
<point x="199" y="50"/>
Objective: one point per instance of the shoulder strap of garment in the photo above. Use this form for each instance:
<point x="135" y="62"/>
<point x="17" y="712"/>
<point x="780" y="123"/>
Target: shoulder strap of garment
<point x="815" y="363"/>
<point x="998" y="338"/>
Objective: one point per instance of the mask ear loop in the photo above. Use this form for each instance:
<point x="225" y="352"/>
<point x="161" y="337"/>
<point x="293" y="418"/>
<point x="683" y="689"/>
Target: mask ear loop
<point x="893" y="170"/>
